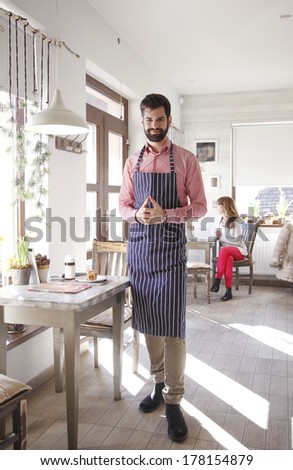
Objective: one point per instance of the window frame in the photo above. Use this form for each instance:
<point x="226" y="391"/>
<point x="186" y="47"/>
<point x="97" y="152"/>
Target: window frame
<point x="105" y="122"/>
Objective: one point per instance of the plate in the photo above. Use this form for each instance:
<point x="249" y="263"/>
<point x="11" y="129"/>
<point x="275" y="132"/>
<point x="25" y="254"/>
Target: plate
<point x="98" y="280"/>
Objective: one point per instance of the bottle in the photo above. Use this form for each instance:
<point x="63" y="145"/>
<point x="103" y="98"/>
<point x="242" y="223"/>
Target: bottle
<point x="69" y="267"/>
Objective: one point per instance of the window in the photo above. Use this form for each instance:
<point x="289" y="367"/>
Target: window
<point x="262" y="167"/>
<point x="8" y="216"/>
<point x="264" y="201"/>
<point x="22" y="180"/>
<point x="106" y="147"/>
<point x="104" y="103"/>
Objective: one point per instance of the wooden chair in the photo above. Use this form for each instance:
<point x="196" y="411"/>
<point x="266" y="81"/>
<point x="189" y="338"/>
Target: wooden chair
<point x="13" y="400"/>
<point x="196" y="268"/>
<point x="249" y="231"/>
<point x="109" y="259"/>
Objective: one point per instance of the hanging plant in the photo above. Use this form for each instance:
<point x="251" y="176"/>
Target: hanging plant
<point x="31" y="158"/>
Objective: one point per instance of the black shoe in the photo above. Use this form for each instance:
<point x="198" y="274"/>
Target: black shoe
<point x="177" y="429"/>
<point x="216" y="285"/>
<point x="153" y="400"/>
<point x="227" y="296"/>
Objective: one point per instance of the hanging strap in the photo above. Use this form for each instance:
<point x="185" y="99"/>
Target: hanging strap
<point x="35" y="88"/>
<point x="17" y="68"/>
<point x="48" y="71"/>
<point x="42" y="71"/>
<point x="25" y="68"/>
<point x="10" y="60"/>
<point x="172" y="167"/>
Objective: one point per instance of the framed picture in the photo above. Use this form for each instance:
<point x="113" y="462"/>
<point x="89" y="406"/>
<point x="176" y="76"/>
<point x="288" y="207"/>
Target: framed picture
<point x="214" y="182"/>
<point x="206" y="150"/>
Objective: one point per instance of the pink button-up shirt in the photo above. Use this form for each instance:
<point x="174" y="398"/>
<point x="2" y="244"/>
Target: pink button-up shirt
<point x="189" y="181"/>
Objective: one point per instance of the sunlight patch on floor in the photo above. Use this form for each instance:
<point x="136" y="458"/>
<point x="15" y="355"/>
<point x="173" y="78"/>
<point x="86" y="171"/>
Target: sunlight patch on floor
<point x="132" y="382"/>
<point x="272" y="337"/>
<point x="196" y="312"/>
<point x="240" y="398"/>
<point x="218" y="433"/>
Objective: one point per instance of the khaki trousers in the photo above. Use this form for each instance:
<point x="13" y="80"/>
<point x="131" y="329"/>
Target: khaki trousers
<point x="167" y="364"/>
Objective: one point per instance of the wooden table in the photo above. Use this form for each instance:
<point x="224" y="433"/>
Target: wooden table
<point x="65" y="313"/>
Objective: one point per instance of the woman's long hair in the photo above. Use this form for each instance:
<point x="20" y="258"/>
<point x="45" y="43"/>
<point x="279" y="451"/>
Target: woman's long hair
<point x="230" y="209"/>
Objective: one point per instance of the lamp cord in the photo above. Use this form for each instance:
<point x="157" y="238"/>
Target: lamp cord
<point x="48" y="71"/>
<point x="57" y="45"/>
<point x="10" y="62"/>
<point x="25" y="68"/>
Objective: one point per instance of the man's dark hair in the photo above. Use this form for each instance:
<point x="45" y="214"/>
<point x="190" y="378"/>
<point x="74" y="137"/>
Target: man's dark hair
<point x="154" y="101"/>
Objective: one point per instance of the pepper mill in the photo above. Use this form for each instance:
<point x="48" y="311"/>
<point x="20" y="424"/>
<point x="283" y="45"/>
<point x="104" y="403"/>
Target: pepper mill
<point x="69" y="267"/>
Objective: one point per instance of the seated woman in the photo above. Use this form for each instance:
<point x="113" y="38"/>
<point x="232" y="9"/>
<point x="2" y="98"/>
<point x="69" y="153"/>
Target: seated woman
<point x="228" y="229"/>
<point x="283" y="253"/>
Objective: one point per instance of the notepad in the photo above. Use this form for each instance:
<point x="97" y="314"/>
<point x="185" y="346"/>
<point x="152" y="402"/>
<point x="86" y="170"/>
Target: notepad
<point x="62" y="288"/>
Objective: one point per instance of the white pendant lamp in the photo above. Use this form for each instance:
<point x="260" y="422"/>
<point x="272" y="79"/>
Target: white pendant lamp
<point x="57" y="119"/>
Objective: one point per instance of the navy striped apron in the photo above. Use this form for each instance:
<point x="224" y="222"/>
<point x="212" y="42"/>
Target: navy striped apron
<point x="157" y="259"/>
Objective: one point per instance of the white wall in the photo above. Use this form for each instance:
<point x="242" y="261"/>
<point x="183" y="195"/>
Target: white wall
<point x="30" y="359"/>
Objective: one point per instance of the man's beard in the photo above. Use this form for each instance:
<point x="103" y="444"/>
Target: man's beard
<point x="156" y="137"/>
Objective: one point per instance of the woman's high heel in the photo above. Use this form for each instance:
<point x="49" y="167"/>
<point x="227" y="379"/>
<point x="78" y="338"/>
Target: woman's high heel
<point x="227" y="295"/>
<point x="216" y="285"/>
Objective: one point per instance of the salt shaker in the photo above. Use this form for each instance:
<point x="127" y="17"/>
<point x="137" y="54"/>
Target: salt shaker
<point x="69" y="267"/>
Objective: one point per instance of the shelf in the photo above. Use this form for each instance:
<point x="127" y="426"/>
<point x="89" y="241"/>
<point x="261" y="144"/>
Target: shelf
<point x="15" y="339"/>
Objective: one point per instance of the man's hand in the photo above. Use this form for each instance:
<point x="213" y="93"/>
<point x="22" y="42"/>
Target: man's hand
<point x="148" y="216"/>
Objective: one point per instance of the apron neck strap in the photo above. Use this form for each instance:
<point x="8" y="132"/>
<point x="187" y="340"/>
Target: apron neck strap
<point x="172" y="167"/>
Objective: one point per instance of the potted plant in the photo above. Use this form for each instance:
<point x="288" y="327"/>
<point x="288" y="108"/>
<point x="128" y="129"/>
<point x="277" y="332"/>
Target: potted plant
<point x="20" y="266"/>
<point x="43" y="264"/>
<point x="282" y="206"/>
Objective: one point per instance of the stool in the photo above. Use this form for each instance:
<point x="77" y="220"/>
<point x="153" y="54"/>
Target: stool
<point x="13" y="399"/>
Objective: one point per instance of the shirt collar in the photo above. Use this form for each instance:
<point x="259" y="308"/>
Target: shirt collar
<point x="164" y="149"/>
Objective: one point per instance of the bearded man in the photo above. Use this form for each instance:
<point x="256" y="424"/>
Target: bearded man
<point x="162" y="189"/>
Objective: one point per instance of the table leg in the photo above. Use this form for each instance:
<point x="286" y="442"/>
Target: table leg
<point x="58" y="340"/>
<point x="72" y="353"/>
<point x="118" y="320"/>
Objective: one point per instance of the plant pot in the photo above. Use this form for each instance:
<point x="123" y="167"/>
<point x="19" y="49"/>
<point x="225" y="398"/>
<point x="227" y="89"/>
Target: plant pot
<point x="20" y="277"/>
<point x="43" y="273"/>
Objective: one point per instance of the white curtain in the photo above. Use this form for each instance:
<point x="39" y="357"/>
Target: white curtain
<point x="262" y="154"/>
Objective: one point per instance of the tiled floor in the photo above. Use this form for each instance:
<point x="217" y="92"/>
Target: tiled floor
<point x="239" y="384"/>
